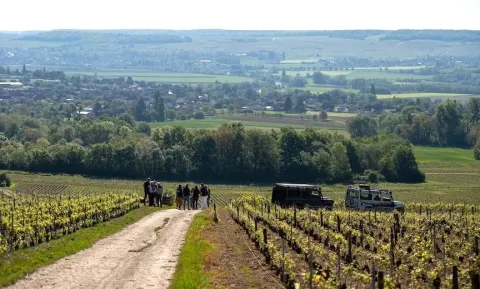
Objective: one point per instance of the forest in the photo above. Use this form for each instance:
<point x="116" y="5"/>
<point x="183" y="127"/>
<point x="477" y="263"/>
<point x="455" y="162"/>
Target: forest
<point x="452" y="125"/>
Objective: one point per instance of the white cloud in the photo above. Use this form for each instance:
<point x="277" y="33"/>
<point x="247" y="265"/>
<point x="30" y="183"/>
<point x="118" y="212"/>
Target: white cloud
<point x="245" y="14"/>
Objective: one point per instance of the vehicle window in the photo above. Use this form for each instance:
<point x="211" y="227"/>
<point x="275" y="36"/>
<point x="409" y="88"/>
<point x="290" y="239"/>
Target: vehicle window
<point x="377" y="198"/>
<point x="365" y="196"/>
<point x="352" y="194"/>
<point x="315" y="193"/>
<point x="387" y="199"/>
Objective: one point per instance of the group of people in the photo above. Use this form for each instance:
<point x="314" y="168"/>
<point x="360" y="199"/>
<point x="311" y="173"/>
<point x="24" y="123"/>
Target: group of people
<point x="188" y="198"/>
<point x="153" y="190"/>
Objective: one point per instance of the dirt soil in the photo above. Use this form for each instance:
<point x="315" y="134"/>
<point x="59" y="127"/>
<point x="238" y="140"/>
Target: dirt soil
<point x="142" y="255"/>
<point x="235" y="262"/>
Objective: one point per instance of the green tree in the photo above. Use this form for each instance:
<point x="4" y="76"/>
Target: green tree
<point x="319" y="78"/>
<point x="372" y="89"/>
<point x="399" y="165"/>
<point x="476" y="150"/>
<point x="449" y="119"/>
<point x="323" y="115"/>
<point x="140" y="110"/>
<point x="288" y="105"/>
<point x="474" y="109"/>
<point x="159" y="107"/>
<point x="24" y="69"/>
<point x="362" y="126"/>
<point x="300" y="106"/>
<point x="341" y="169"/>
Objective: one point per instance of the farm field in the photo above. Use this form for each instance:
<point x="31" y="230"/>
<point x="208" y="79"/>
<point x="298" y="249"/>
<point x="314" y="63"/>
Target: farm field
<point x="166" y="77"/>
<point x="250" y="122"/>
<point x="424" y="94"/>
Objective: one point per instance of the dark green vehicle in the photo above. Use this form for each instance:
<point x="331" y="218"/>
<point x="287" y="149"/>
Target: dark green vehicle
<point x="300" y="195"/>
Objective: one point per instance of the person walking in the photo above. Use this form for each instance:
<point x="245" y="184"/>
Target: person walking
<point x="203" y="196"/>
<point x="145" y="191"/>
<point x="186" y="197"/>
<point x="195" y="197"/>
<point x="179" y="197"/>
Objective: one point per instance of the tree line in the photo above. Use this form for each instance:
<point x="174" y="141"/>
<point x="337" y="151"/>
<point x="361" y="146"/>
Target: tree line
<point x="121" y="147"/>
<point x="453" y="124"/>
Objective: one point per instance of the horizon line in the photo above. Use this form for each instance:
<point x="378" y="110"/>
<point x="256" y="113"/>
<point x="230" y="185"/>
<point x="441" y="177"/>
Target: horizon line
<point x="228" y="29"/>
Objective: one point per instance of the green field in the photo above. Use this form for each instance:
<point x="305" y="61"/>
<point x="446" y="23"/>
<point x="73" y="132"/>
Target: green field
<point x="424" y="94"/>
<point x="166" y="77"/>
<point x="368" y="74"/>
<point x="266" y="124"/>
<point x="435" y="154"/>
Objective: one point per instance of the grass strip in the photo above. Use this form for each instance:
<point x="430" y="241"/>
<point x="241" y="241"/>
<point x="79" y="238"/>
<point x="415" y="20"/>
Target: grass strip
<point x="19" y="263"/>
<point x="189" y="273"/>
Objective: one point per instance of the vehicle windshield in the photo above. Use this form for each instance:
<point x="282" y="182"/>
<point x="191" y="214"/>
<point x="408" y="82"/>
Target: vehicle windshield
<point x="315" y="192"/>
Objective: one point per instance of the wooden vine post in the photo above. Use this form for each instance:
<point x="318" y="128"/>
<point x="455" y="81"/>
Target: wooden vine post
<point x="13" y="226"/>
<point x="295" y="215"/>
<point x="349" y="254"/>
<point x="265" y="240"/>
<point x="455" y="278"/>
<point x="381" y="280"/>
<point x="215" y="217"/>
<point x="476" y="248"/>
<point x="361" y="233"/>
<point x="373" y="276"/>
<point x="338" y="224"/>
<point x="392" y="248"/>
<point x="475" y="278"/>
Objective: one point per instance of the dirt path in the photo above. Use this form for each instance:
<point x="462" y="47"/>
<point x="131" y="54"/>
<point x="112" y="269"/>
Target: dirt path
<point x="136" y="257"/>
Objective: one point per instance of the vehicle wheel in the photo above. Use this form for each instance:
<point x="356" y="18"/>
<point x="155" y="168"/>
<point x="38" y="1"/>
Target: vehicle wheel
<point x="368" y="208"/>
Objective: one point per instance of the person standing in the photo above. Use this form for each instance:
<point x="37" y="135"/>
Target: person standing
<point x="179" y="197"/>
<point x="151" y="194"/>
<point x="145" y="191"/>
<point x="195" y="196"/>
<point x="203" y="196"/>
<point x="186" y="197"/>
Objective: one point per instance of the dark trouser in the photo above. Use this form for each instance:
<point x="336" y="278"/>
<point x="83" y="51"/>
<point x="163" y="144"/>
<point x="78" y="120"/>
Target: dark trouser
<point x="145" y="198"/>
<point x="195" y="203"/>
<point x="151" y="199"/>
<point x="208" y="201"/>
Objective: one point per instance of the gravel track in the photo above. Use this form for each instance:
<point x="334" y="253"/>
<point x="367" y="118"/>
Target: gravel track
<point x="139" y="256"/>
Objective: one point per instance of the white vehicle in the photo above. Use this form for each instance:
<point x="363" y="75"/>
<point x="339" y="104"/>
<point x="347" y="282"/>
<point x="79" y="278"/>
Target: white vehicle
<point x="365" y="198"/>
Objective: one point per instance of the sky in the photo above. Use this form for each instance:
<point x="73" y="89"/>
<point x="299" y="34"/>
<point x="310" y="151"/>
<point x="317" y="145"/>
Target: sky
<point x="241" y="14"/>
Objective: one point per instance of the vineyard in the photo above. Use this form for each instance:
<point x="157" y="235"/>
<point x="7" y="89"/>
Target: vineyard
<point x="28" y="220"/>
<point x="430" y="246"/>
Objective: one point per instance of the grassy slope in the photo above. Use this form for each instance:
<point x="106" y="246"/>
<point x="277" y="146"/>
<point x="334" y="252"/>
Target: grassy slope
<point x="189" y="272"/>
<point x="435" y="154"/>
<point x="22" y="262"/>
